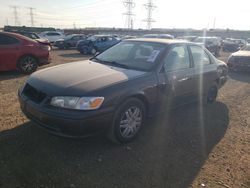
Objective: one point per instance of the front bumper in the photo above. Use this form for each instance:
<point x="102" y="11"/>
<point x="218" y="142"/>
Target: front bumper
<point x="44" y="60"/>
<point x="59" y="122"/>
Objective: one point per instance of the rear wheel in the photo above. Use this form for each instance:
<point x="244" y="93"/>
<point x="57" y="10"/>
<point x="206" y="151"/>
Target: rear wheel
<point x="128" y="121"/>
<point x="212" y="94"/>
<point x="27" y="64"/>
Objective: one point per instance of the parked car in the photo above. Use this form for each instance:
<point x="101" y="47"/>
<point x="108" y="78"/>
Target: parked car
<point x="118" y="89"/>
<point x="69" y="41"/>
<point x="248" y="41"/>
<point x="52" y="36"/>
<point x="232" y="45"/>
<point x="160" y="36"/>
<point x="35" y="37"/>
<point x="240" y="60"/>
<point x="213" y="44"/>
<point x="22" y="53"/>
<point x="96" y="43"/>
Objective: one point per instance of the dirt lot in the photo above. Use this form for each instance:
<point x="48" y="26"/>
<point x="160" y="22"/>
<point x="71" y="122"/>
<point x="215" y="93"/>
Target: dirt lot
<point x="193" y="146"/>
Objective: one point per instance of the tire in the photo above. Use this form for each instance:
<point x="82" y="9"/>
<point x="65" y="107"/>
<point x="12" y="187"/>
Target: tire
<point x="27" y="64"/>
<point x="212" y="94"/>
<point x="67" y="46"/>
<point x="128" y="120"/>
<point x="84" y="50"/>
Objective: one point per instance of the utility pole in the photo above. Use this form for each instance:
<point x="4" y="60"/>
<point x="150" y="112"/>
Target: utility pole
<point x="129" y="4"/>
<point x="31" y="13"/>
<point x="214" y="22"/>
<point x="150" y="7"/>
<point x="15" y="14"/>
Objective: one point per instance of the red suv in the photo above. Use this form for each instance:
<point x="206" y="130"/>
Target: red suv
<point x="22" y="53"/>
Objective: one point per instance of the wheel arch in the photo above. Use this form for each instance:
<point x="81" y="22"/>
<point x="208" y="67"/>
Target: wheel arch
<point x="24" y="55"/>
<point x="139" y="96"/>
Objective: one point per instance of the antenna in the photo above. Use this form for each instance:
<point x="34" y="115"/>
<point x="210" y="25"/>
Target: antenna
<point x="31" y="13"/>
<point x="15" y="13"/>
<point x="150" y="7"/>
<point x="129" y="4"/>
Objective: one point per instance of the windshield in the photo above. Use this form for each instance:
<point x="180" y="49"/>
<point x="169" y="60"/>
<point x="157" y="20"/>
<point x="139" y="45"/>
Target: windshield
<point x="92" y="38"/>
<point x="246" y="48"/>
<point x="132" y="54"/>
<point x="31" y="35"/>
<point x="68" y="37"/>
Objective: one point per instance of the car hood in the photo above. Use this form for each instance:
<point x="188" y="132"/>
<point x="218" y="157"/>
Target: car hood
<point x="242" y="54"/>
<point x="79" y="78"/>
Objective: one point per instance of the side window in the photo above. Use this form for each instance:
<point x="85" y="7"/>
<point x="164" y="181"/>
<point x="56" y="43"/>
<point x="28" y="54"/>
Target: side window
<point x="200" y="57"/>
<point x="53" y="34"/>
<point x="177" y="59"/>
<point x="7" y="40"/>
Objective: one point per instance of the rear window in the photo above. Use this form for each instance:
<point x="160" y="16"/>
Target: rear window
<point x="7" y="40"/>
<point x="53" y="34"/>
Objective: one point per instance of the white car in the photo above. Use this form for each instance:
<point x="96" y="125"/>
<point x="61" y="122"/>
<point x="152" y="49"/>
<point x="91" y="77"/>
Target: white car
<point x="52" y="36"/>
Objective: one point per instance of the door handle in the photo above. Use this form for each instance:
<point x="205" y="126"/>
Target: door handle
<point x="184" y="79"/>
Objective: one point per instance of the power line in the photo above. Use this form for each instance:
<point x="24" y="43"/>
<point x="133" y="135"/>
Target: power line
<point x="31" y="13"/>
<point x="129" y="4"/>
<point x="15" y="14"/>
<point x="150" y="7"/>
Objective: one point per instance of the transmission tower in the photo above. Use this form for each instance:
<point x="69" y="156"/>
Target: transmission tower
<point x="31" y="13"/>
<point x="150" y="7"/>
<point x="129" y="4"/>
<point x="15" y="14"/>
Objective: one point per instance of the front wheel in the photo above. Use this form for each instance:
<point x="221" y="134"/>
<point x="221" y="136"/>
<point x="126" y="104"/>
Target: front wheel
<point x="212" y="94"/>
<point x="84" y="50"/>
<point x="128" y="121"/>
<point x="27" y="64"/>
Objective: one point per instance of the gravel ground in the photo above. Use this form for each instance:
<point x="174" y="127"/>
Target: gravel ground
<point x="192" y="146"/>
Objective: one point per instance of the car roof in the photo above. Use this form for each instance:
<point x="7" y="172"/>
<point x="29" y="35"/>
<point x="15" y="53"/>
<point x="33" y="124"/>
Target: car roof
<point x="13" y="34"/>
<point x="157" y="40"/>
<point x="16" y="35"/>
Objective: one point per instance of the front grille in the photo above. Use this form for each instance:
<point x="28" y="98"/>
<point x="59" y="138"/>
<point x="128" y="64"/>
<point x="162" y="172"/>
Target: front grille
<point x="33" y="94"/>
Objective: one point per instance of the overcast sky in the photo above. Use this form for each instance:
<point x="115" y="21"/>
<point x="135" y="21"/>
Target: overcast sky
<point x="195" y="14"/>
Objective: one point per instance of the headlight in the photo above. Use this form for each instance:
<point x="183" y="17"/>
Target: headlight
<point x="78" y="103"/>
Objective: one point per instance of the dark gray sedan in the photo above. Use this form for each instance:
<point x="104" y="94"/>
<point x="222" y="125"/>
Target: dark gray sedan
<point x="118" y="89"/>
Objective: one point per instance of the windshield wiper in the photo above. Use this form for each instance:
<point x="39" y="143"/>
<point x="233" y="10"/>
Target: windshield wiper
<point x="95" y="59"/>
<point x="112" y="63"/>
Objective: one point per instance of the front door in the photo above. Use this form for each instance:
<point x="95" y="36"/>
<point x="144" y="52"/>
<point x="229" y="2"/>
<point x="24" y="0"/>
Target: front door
<point x="179" y="74"/>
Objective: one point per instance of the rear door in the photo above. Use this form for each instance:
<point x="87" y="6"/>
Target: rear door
<point x="205" y="70"/>
<point x="179" y="74"/>
<point x="9" y="52"/>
